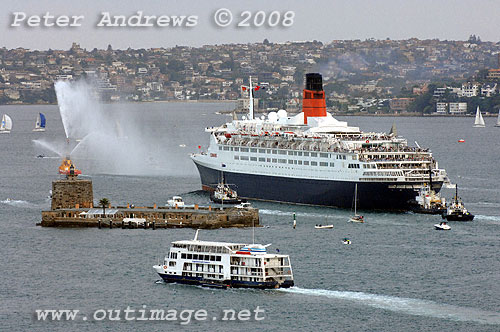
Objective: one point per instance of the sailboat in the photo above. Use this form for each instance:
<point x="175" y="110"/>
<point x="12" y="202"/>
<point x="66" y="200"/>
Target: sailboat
<point x="479" y="123"/>
<point x="6" y="125"/>
<point x="356" y="217"/>
<point x="498" y="119"/>
<point x="40" y="123"/>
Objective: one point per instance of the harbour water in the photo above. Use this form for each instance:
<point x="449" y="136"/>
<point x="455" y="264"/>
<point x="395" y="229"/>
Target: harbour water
<point x="398" y="274"/>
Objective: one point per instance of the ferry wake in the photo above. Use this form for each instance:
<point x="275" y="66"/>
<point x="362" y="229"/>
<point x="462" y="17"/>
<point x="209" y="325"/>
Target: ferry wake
<point x="312" y="158"/>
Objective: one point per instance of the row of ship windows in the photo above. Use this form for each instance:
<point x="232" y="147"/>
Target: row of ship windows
<point x="284" y="161"/>
<point x="296" y="162"/>
<point x="285" y="152"/>
<point x="198" y="256"/>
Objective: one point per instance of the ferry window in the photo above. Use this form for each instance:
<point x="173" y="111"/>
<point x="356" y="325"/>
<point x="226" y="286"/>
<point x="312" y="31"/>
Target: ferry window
<point x="306" y="154"/>
<point x="253" y="158"/>
<point x="207" y="257"/>
<point x="244" y="149"/>
<point x="195" y="256"/>
<point x="220" y="148"/>
<point x="236" y="157"/>
<point x="344" y="157"/>
<point x="313" y="163"/>
<point x="300" y="162"/>
<point x="171" y="263"/>
<point x="295" y="162"/>
<point x="262" y="151"/>
<point x="275" y="160"/>
<point x="322" y="163"/>
<point x="300" y="153"/>
<point x="268" y="151"/>
<point x="212" y="258"/>
<point x="282" y="161"/>
<point x="332" y="164"/>
<point x="244" y="158"/>
<point x="189" y="256"/>
<point x="323" y="155"/>
<point x="262" y="159"/>
<point x="231" y="148"/>
<point x="275" y="151"/>
<point x="236" y="149"/>
<point x="268" y="160"/>
<point x="218" y="259"/>
<point x="253" y="150"/>
<point x="183" y="256"/>
<point x="281" y="151"/>
<point x="354" y="157"/>
<point x="314" y="154"/>
<point x="226" y="148"/>
<point x="290" y="161"/>
<point x="306" y="162"/>
<point x="290" y="153"/>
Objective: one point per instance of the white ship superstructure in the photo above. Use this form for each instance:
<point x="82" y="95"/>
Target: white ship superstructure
<point x="223" y="264"/>
<point x="312" y="158"/>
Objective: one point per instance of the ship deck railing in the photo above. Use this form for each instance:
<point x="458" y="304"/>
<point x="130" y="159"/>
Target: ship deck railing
<point x="316" y="145"/>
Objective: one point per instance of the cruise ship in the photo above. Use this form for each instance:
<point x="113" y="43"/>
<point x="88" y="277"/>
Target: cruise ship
<point x="225" y="265"/>
<point x="312" y="158"/>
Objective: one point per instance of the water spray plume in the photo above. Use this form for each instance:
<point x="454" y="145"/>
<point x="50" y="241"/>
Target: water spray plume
<point x="110" y="141"/>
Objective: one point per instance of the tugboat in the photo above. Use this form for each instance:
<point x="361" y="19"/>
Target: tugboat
<point x="457" y="211"/>
<point x="428" y="202"/>
<point x="225" y="265"/>
<point x="223" y="194"/>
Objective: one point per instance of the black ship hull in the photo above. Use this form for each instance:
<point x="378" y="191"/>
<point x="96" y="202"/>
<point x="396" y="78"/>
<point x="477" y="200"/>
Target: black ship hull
<point x="224" y="283"/>
<point x="458" y="217"/>
<point x="371" y="195"/>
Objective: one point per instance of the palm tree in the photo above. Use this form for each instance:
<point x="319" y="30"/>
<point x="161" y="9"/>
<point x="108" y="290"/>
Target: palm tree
<point x="104" y="202"/>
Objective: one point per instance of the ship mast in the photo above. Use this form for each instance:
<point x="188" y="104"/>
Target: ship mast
<point x="250" y="103"/>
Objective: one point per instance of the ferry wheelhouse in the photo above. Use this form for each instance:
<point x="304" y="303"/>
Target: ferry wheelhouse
<point x="312" y="158"/>
<point x="222" y="264"/>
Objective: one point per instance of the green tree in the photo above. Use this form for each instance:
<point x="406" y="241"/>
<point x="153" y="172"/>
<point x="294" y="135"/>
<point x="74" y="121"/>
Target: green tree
<point x="104" y="202"/>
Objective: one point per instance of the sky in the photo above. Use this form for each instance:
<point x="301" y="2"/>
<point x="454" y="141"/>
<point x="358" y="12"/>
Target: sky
<point x="324" y="20"/>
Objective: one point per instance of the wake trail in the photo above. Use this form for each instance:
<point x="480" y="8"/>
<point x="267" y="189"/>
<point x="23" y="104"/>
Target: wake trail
<point x="406" y="305"/>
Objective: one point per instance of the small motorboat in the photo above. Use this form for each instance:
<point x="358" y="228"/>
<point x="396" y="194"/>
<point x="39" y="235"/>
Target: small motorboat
<point x="346" y="241"/>
<point x="243" y="205"/>
<point x="442" y="226"/>
<point x="323" y="226"/>
<point x="176" y="202"/>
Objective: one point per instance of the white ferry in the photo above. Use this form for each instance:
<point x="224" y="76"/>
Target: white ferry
<point x="222" y="264"/>
<point x="312" y="158"/>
